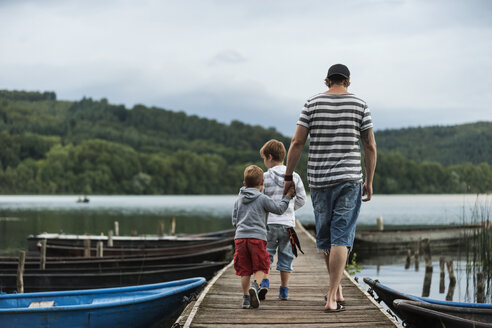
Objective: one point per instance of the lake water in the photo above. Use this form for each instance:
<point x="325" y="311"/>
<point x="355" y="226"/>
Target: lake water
<point x="24" y="215"/>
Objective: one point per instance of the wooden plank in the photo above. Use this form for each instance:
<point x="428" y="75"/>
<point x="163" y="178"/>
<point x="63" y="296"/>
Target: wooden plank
<point x="220" y="304"/>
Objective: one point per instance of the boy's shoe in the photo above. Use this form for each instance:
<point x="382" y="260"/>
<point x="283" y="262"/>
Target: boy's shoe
<point x="253" y="294"/>
<point x="265" y="284"/>
<point x="246" y="302"/>
<point x="283" y="293"/>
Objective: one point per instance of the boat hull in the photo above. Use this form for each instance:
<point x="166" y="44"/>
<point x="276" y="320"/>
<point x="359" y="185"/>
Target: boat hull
<point x="69" y="279"/>
<point x="421" y="314"/>
<point x="144" y="309"/>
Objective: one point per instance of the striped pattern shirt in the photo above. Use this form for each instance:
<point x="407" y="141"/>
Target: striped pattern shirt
<point x="334" y="123"/>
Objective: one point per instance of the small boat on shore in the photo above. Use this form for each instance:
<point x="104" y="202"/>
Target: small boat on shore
<point x="135" y="306"/>
<point x="37" y="280"/>
<point x="422" y="314"/>
<point x="479" y="312"/>
<point x="128" y="241"/>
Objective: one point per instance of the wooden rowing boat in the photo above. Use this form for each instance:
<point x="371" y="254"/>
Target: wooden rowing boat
<point x="127" y="241"/>
<point x="37" y="280"/>
<point x="78" y="251"/>
<point x="135" y="306"/>
<point x="214" y="254"/>
<point x="480" y="312"/>
<point x="422" y="314"/>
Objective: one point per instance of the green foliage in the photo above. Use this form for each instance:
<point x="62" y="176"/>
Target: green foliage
<point x="447" y="145"/>
<point x="94" y="147"/>
<point x="353" y="267"/>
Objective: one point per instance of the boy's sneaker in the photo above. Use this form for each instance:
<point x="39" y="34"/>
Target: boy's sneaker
<point x="283" y="293"/>
<point x="246" y="302"/>
<point x="265" y="284"/>
<point x="253" y="294"/>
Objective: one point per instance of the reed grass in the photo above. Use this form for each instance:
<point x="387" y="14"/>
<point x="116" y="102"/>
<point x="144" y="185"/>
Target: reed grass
<point x="478" y="249"/>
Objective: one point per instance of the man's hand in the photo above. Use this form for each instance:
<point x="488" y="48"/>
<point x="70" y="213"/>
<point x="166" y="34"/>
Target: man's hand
<point x="292" y="191"/>
<point x="289" y="185"/>
<point x="366" y="191"/>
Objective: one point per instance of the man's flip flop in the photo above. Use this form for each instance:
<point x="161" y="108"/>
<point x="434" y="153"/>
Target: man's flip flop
<point x="339" y="308"/>
<point x="339" y="302"/>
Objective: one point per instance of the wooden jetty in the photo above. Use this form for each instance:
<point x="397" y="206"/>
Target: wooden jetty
<point x="219" y="304"/>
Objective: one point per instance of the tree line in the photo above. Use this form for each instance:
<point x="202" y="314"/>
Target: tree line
<point x="49" y="146"/>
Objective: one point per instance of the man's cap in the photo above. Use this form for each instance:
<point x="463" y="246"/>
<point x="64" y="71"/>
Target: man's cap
<point x="339" y="69"/>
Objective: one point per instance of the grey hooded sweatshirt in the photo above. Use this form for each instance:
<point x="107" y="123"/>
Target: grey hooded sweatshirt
<point x="251" y="209"/>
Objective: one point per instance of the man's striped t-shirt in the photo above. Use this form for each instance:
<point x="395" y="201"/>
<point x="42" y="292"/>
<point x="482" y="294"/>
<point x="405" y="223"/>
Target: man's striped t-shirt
<point x="334" y="123"/>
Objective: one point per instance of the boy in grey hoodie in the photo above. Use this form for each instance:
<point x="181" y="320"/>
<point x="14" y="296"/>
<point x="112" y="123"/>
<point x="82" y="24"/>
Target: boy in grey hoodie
<point x="249" y="217"/>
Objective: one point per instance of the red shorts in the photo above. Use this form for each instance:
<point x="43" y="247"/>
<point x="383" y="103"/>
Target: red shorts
<point x="250" y="256"/>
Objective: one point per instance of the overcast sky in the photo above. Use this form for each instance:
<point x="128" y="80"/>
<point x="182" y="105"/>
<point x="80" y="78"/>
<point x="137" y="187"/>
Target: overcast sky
<point x="414" y="62"/>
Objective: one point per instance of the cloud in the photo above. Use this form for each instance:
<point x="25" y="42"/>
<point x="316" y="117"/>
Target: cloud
<point x="417" y="62"/>
<point x="227" y="57"/>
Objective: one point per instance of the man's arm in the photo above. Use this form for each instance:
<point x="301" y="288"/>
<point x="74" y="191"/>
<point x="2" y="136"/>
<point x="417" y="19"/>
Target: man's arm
<point x="294" y="154"/>
<point x="370" y="157"/>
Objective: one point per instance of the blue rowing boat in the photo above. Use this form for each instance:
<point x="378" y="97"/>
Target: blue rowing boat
<point x="135" y="306"/>
<point x="477" y="313"/>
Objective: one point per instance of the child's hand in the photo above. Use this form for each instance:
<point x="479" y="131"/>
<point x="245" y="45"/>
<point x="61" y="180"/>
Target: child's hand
<point x="291" y="192"/>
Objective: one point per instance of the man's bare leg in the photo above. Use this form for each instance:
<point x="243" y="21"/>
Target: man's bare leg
<point x="340" y="297"/>
<point x="337" y="260"/>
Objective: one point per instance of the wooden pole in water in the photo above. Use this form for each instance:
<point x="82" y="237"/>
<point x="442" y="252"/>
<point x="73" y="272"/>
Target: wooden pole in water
<point x="417" y="259"/>
<point x="99" y="249"/>
<point x="116" y="228"/>
<point x="452" y="277"/>
<point x="42" y="264"/>
<point x="379" y="220"/>
<point x="442" y="275"/>
<point x="20" y="272"/>
<point x="452" y="280"/>
<point x="173" y="226"/>
<point x="110" y="238"/>
<point x="427" y="255"/>
<point x="480" y="288"/>
<point x="409" y="258"/>
<point x="87" y="248"/>
<point x="161" y="229"/>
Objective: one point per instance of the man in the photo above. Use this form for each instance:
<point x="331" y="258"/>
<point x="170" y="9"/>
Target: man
<point x="335" y="121"/>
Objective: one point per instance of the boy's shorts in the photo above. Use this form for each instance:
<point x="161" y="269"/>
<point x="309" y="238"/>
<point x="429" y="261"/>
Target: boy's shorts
<point x="279" y="239"/>
<point x="250" y="256"/>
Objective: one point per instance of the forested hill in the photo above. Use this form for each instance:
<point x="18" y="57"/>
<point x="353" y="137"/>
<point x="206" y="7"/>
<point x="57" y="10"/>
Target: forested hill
<point x="443" y="144"/>
<point x="94" y="147"/>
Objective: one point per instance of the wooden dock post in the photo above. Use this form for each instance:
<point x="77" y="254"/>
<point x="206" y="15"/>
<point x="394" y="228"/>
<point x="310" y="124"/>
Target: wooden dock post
<point x="452" y="277"/>
<point x="480" y="288"/>
<point x="441" y="275"/>
<point x="173" y="226"/>
<point x="409" y="259"/>
<point x="379" y="220"/>
<point x="110" y="238"/>
<point x="452" y="280"/>
<point x="87" y="248"/>
<point x="417" y="259"/>
<point x="20" y="272"/>
<point x="116" y="228"/>
<point x="99" y="249"/>
<point x="160" y="232"/>
<point x="42" y="263"/>
<point x="427" y="255"/>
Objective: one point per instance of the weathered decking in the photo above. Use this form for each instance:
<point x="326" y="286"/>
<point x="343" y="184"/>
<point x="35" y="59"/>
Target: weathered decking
<point x="219" y="305"/>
